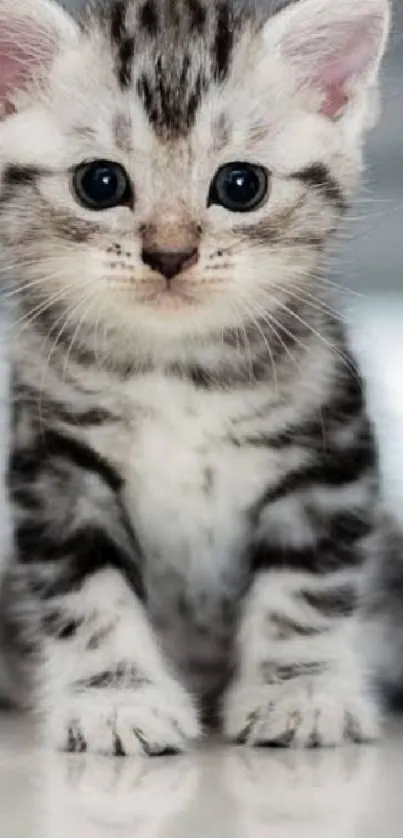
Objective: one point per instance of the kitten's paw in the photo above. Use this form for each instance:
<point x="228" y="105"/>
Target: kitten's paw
<point x="150" y="719"/>
<point x="303" y="712"/>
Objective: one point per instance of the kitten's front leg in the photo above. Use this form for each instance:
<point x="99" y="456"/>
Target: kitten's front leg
<point x="76" y="589"/>
<point x="104" y="686"/>
<point x="300" y="680"/>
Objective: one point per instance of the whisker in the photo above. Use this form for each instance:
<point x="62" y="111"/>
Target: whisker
<point x="335" y="349"/>
<point x="257" y="325"/>
<point x="32" y="316"/>
<point x="29" y="285"/>
<point x="76" y="332"/>
<point x="314" y="302"/>
<point x="67" y="317"/>
<point x="241" y="330"/>
<point x="339" y="288"/>
<point x="273" y="325"/>
<point x="100" y="353"/>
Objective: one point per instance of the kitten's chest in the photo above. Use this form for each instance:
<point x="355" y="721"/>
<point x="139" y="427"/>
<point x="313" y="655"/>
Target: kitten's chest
<point x="189" y="489"/>
<point x="188" y="484"/>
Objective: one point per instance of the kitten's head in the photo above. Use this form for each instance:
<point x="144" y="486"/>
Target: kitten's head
<point x="172" y="168"/>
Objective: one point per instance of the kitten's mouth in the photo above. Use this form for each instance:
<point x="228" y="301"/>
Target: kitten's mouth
<point x="170" y="296"/>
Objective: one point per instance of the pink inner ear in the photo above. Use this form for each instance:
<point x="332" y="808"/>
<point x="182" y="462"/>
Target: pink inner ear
<point x="17" y="63"/>
<point x="336" y="60"/>
<point x="11" y="77"/>
<point x="334" y="102"/>
<point x="338" y="71"/>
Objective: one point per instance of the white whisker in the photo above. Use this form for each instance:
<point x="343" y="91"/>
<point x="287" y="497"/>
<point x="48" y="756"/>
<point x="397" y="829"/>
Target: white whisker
<point x="257" y="325"/>
<point x="270" y="320"/>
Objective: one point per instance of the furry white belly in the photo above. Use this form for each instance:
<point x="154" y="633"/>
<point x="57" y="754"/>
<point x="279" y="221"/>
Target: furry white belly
<point x="188" y="494"/>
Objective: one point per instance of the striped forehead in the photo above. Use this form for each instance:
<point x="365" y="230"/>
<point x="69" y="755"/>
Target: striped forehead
<point x="171" y="52"/>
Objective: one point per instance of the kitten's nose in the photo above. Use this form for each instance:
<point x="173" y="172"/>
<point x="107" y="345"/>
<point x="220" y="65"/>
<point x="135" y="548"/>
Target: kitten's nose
<point x="169" y="262"/>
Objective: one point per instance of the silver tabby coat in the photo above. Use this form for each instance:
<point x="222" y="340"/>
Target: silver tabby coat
<point x="193" y="476"/>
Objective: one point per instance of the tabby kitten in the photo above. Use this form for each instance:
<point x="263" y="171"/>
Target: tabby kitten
<point x="193" y="478"/>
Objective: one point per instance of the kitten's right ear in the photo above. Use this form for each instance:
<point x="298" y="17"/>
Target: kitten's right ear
<point x="32" y="32"/>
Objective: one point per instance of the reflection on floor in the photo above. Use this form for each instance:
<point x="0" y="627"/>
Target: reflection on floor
<point x="215" y="792"/>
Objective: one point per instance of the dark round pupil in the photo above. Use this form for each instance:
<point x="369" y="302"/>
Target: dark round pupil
<point x="101" y="183"/>
<point x="241" y="185"/>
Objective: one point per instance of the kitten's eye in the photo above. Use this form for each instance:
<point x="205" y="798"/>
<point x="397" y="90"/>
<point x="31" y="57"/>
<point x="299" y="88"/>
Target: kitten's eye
<point x="101" y="185"/>
<point x="239" y="187"/>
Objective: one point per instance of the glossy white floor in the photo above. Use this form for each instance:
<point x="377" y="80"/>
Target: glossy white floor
<point x="354" y="792"/>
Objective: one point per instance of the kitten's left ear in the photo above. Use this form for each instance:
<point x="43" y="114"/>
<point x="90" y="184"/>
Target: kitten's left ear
<point x="32" y="33"/>
<point x="334" y="46"/>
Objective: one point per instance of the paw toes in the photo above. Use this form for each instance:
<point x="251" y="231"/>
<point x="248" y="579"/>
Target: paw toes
<point x="298" y="715"/>
<point x="148" y="723"/>
<point x="75" y="740"/>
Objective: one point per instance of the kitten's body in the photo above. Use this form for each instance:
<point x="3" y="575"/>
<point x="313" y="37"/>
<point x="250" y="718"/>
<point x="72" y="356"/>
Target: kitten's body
<point x="193" y="477"/>
<point x="176" y="444"/>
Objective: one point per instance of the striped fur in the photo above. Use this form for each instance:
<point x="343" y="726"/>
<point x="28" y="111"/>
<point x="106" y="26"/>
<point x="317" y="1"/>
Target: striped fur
<point x="193" y="476"/>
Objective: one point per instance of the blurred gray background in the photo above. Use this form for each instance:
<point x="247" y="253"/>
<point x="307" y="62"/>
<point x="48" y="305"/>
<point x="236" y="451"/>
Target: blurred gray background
<point x="371" y="258"/>
<point x="377" y="245"/>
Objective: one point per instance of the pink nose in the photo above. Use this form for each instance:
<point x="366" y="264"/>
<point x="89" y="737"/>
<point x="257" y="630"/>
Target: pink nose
<point x="169" y="263"/>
